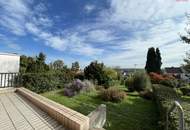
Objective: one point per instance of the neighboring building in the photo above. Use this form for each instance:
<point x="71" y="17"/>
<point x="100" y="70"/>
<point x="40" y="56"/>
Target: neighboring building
<point x="9" y="69"/>
<point x="9" y="63"/>
<point x="128" y="71"/>
<point x="177" y="72"/>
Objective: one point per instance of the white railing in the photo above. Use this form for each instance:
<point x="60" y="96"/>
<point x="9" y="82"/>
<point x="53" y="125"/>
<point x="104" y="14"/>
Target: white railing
<point x="8" y="79"/>
<point x="181" y="114"/>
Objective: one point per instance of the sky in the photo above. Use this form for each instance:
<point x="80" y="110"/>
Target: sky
<point x="116" y="32"/>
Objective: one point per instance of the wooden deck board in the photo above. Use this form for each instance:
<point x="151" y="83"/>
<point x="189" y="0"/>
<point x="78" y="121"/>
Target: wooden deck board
<point x="17" y="113"/>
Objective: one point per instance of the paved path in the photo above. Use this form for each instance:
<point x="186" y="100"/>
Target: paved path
<point x="17" y="113"/>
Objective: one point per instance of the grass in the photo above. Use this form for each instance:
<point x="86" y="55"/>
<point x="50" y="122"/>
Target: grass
<point x="133" y="113"/>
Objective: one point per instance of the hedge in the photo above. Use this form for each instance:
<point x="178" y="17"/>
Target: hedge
<point x="42" y="82"/>
<point x="165" y="97"/>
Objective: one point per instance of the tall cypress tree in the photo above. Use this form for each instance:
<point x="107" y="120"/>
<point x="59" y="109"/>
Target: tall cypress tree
<point x="158" y="60"/>
<point x="153" y="63"/>
<point x="151" y="60"/>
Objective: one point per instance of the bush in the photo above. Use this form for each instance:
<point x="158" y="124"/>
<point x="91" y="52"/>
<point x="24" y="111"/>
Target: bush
<point x="170" y="83"/>
<point x="129" y="82"/>
<point x="138" y="82"/>
<point x="42" y="82"/>
<point x="78" y="86"/>
<point x="165" y="97"/>
<point x="99" y="72"/>
<point x="185" y="90"/>
<point x="156" y="78"/>
<point x="112" y="94"/>
<point x="147" y="94"/>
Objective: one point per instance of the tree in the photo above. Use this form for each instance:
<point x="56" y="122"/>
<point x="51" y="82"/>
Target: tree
<point x="75" y="66"/>
<point x="95" y="71"/>
<point x="33" y="64"/>
<point x="159" y="60"/>
<point x="58" y="65"/>
<point x="151" y="60"/>
<point x="186" y="66"/>
<point x="111" y="73"/>
<point x="154" y="60"/>
<point x="41" y="66"/>
<point x="23" y="63"/>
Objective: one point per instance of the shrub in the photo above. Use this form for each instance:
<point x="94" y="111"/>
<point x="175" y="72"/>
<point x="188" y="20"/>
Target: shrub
<point x="99" y="72"/>
<point x="95" y="71"/>
<point x="169" y="82"/>
<point x="42" y="82"/>
<point x="179" y="92"/>
<point x="147" y="94"/>
<point x="78" y="86"/>
<point x="129" y="83"/>
<point x="156" y="78"/>
<point x="185" y="90"/>
<point x="112" y="94"/>
<point x="141" y="81"/>
<point x="79" y="76"/>
<point x="165" y="97"/>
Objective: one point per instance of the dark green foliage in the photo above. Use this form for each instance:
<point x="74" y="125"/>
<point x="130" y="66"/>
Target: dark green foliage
<point x="158" y="61"/>
<point x="42" y="82"/>
<point x="112" y="94"/>
<point x="151" y="60"/>
<point x="75" y="66"/>
<point x="186" y="66"/>
<point x="95" y="71"/>
<point x="129" y="83"/>
<point x="185" y="39"/>
<point x="79" y="76"/>
<point x="165" y="97"/>
<point x="33" y="65"/>
<point x="153" y="63"/>
<point x="147" y="94"/>
<point x="173" y="83"/>
<point x="185" y="90"/>
<point x="57" y="65"/>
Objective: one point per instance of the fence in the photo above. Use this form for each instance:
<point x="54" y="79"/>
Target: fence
<point x="9" y="80"/>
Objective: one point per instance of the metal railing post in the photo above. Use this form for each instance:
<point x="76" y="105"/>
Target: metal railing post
<point x="181" y="112"/>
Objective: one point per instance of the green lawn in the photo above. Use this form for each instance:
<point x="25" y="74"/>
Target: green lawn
<point x="133" y="113"/>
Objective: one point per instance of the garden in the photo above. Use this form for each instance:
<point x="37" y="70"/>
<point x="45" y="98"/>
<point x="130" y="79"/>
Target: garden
<point x="138" y="101"/>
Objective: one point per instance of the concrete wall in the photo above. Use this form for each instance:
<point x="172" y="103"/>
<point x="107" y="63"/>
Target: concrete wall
<point x="9" y="63"/>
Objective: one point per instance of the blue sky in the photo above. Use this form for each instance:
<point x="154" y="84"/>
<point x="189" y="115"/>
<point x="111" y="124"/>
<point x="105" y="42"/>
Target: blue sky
<point x="117" y="32"/>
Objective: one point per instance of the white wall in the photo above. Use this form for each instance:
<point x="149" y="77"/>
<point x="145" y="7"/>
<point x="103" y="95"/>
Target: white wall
<point x="9" y="63"/>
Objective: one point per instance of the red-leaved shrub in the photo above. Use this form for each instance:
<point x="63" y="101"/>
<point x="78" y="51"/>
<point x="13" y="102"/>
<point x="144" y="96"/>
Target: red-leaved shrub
<point x="157" y="78"/>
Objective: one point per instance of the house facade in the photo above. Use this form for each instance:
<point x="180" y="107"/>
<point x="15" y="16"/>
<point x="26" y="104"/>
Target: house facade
<point x="9" y="69"/>
<point x="177" y="72"/>
<point x="9" y="63"/>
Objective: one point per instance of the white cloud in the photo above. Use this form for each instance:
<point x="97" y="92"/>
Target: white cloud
<point x="13" y="14"/>
<point x="143" y="10"/>
<point x="128" y="27"/>
<point x="19" y="18"/>
<point x="99" y="35"/>
<point x="89" y="8"/>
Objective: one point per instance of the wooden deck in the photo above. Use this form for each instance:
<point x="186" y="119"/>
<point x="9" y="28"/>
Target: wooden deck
<point x="17" y="113"/>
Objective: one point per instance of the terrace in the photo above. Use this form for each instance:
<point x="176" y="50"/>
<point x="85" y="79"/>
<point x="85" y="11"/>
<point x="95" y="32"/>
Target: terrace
<point x="23" y="109"/>
<point x="18" y="113"/>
